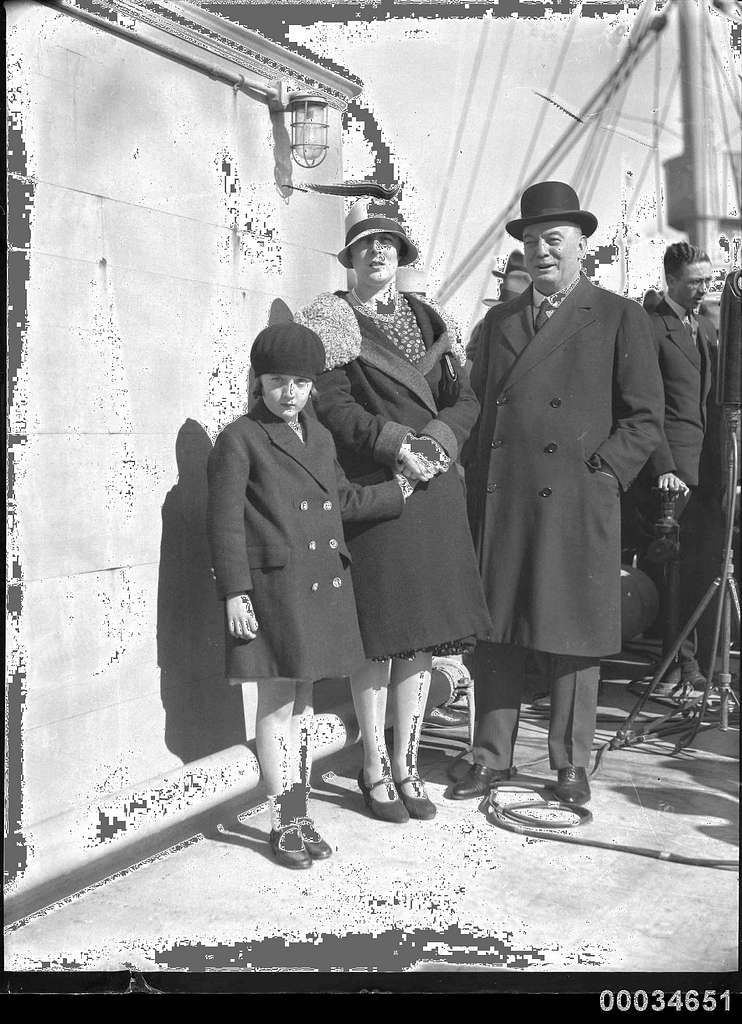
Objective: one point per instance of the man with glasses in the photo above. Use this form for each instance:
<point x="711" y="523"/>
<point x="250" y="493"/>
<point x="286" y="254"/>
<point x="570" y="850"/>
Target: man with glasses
<point x="685" y="341"/>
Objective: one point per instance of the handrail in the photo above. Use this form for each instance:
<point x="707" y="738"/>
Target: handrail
<point x="239" y="82"/>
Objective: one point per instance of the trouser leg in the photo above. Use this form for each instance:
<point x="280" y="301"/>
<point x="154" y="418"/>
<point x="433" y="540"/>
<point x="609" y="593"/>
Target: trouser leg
<point x="499" y="681"/>
<point x="703" y="534"/>
<point x="574" y="702"/>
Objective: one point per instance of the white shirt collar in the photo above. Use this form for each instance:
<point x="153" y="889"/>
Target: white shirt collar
<point x="677" y="310"/>
<point x="538" y="298"/>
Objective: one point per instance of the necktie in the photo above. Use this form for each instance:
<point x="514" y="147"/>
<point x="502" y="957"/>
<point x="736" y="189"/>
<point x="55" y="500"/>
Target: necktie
<point x="692" y="325"/>
<point x="542" y="315"/>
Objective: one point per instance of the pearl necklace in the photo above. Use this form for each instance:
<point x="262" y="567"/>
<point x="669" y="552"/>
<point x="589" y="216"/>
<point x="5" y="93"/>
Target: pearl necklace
<point x="368" y="309"/>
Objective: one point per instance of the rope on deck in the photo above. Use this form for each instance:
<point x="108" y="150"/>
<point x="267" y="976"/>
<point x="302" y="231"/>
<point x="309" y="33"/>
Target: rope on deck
<point x="556" y="816"/>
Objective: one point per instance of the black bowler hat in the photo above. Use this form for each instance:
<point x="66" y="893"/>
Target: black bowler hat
<point x="550" y="200"/>
<point x="378" y="226"/>
<point x="288" y="348"/>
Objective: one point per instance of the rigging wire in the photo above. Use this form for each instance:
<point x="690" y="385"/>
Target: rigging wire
<point x="455" y="149"/>
<point x="656" y="122"/>
<point x="720" y="77"/>
<point x="709" y="143"/>
<point x="585" y="164"/>
<point x="619" y="91"/>
<point x="654" y="155"/>
<point x="571" y="28"/>
<point x="484" y="138"/>
<point x="599" y="159"/>
<point x="727" y="80"/>
<point x="634" y="53"/>
<point x="499" y="232"/>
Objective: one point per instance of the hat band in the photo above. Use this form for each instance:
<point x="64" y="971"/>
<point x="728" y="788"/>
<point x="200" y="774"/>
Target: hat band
<point x="554" y="211"/>
<point x="374" y="226"/>
<point x="375" y="231"/>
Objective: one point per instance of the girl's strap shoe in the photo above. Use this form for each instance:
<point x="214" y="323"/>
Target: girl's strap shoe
<point x="314" y="844"/>
<point x="288" y="846"/>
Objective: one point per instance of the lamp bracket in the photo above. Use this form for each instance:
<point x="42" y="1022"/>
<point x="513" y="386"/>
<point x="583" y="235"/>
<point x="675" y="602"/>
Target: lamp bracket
<point x="278" y="96"/>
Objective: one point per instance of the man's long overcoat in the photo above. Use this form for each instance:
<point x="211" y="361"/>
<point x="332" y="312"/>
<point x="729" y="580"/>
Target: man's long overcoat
<point x="275" y="524"/>
<point x="546" y="526"/>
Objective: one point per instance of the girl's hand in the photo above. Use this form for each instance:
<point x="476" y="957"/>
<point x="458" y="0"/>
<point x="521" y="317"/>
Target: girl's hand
<point x="413" y="467"/>
<point x="242" y="622"/>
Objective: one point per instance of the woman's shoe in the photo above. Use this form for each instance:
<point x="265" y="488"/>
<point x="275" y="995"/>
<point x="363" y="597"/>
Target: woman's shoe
<point x="314" y="844"/>
<point x="385" y="810"/>
<point x="288" y="847"/>
<point x="418" y="806"/>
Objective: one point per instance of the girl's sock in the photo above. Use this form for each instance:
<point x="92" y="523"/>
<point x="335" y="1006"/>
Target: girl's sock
<point x="287" y="806"/>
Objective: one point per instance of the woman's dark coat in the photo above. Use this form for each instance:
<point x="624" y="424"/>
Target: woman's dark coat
<point x="415" y="579"/>
<point x="275" y="524"/>
<point x="546" y="526"/>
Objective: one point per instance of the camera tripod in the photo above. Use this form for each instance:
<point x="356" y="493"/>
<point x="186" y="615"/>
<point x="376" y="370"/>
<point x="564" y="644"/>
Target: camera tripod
<point x="690" y="715"/>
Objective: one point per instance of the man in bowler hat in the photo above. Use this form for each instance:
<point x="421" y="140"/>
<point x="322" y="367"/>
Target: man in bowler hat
<point x="513" y="280"/>
<point x="572" y="407"/>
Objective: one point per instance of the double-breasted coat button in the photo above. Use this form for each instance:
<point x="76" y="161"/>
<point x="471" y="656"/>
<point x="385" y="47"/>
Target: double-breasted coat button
<point x="491" y="488"/>
<point x="327" y="506"/>
<point x="545" y="492"/>
<point x="315" y="588"/>
<point x="551" y="448"/>
<point x="312" y="545"/>
<point x="337" y="582"/>
<point x="496" y="444"/>
<point x="555" y="403"/>
<point x="303" y="505"/>
<point x="333" y="544"/>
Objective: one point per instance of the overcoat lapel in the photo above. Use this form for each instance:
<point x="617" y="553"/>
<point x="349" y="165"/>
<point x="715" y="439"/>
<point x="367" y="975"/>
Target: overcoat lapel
<point x="571" y="317"/>
<point x="377" y="352"/>
<point x="310" y="454"/>
<point x="517" y="327"/>
<point x="705" y="346"/>
<point x="679" y="334"/>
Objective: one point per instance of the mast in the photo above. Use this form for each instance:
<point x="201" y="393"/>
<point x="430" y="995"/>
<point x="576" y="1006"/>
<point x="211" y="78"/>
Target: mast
<point x="688" y="175"/>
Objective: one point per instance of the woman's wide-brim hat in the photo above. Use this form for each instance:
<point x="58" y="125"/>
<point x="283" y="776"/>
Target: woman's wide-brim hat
<point x="551" y="200"/>
<point x="378" y="226"/>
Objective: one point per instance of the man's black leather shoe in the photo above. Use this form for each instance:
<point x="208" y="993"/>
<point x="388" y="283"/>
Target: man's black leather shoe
<point x="478" y="781"/>
<point x="572" y="786"/>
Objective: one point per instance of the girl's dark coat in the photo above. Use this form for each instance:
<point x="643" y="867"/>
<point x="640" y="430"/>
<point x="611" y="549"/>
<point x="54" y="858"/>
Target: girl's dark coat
<point x="415" y="578"/>
<point x="275" y="514"/>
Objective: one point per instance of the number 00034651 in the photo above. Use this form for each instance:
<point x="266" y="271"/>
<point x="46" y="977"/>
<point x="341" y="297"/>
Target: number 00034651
<point x="639" y="1000"/>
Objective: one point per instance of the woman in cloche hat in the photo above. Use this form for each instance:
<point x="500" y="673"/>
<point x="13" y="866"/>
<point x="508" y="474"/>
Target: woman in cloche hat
<point x="390" y="401"/>
<point x="277" y="503"/>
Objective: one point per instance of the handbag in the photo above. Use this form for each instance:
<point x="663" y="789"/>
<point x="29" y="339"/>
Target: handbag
<point x="450" y="385"/>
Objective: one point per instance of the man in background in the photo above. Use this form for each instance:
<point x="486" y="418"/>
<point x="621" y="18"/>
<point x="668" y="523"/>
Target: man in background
<point x="514" y="280"/>
<point x="683" y="467"/>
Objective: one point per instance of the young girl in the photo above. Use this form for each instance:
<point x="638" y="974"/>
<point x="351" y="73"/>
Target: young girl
<point x="277" y="501"/>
